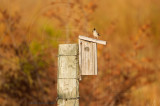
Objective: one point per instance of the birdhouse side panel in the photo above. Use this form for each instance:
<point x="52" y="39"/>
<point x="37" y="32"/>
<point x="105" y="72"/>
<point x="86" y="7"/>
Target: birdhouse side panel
<point x="80" y="60"/>
<point x="87" y="62"/>
<point x="95" y="59"/>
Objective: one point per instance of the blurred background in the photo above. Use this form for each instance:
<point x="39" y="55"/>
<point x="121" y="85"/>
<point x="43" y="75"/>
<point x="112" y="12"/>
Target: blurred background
<point x="128" y="67"/>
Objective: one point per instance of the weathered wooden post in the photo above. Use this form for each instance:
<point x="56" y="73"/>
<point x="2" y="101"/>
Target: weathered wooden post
<point x="67" y="79"/>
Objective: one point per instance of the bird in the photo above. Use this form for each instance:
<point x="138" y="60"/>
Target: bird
<point x="95" y="33"/>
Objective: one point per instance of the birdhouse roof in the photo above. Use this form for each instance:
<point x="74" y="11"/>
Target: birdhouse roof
<point x="92" y="40"/>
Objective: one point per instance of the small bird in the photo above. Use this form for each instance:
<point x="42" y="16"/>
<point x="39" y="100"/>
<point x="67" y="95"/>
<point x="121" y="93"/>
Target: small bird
<point x="95" y="33"/>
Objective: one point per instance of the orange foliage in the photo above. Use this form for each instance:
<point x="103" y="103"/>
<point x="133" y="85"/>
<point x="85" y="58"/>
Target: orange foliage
<point x="127" y="65"/>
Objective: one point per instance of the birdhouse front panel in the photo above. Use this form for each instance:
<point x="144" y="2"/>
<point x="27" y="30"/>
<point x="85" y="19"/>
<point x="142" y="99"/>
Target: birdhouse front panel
<point x="88" y="57"/>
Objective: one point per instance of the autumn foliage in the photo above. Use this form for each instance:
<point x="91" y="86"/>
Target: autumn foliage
<point x="128" y="67"/>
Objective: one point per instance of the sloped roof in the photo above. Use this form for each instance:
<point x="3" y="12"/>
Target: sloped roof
<point x="92" y="40"/>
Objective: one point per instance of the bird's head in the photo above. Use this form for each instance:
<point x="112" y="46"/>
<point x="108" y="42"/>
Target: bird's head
<point x="94" y="29"/>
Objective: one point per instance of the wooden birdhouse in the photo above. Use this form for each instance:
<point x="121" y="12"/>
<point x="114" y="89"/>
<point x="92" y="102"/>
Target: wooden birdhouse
<point x="88" y="55"/>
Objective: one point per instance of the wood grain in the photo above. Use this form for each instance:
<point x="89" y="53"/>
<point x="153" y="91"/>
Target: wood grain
<point x="92" y="40"/>
<point x="67" y="78"/>
<point x="88" y="58"/>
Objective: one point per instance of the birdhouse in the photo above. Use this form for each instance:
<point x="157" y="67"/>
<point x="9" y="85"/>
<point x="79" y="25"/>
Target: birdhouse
<point x="88" y="55"/>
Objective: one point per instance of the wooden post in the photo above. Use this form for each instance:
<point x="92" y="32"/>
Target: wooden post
<point x="67" y="78"/>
